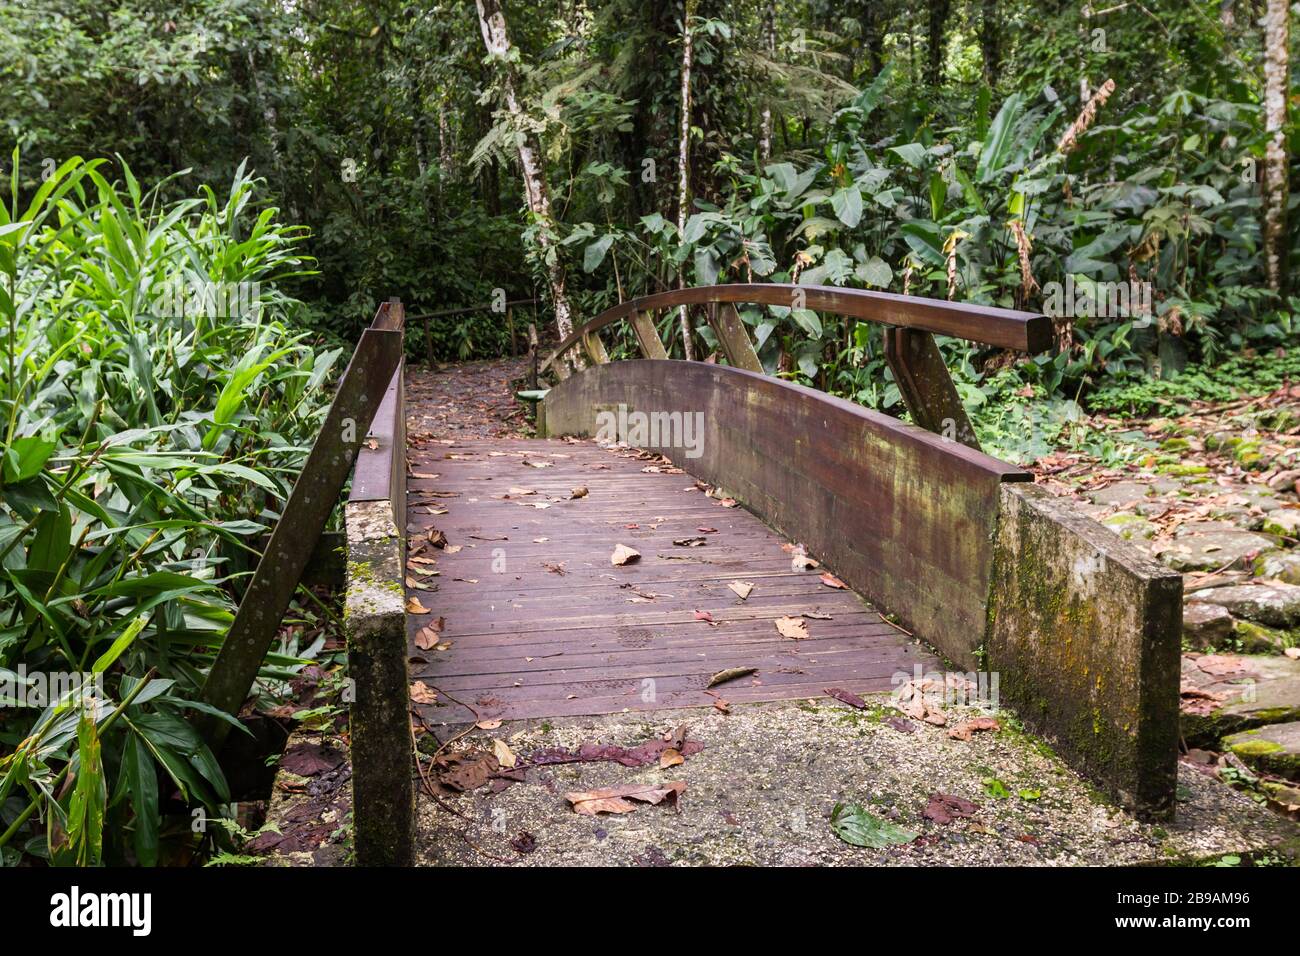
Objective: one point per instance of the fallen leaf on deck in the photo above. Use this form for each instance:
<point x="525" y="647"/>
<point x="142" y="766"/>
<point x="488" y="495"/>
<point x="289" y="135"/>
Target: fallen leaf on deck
<point x="421" y="474"/>
<point x="729" y="502"/>
<point x="692" y="542"/>
<point x="944" y="808"/>
<point x="540" y="540"/>
<point x="427" y="637"/>
<point x="964" y="730"/>
<point x="624" y="555"/>
<point x="521" y="492"/>
<point x="453" y="548"/>
<point x="413" y="606"/>
<point x="488" y="724"/>
<point x="845" y="697"/>
<point x="742" y="588"/>
<point x="831" y="581"/>
<point x="437" y="538"/>
<point x="579" y="492"/>
<point x="708" y="530"/>
<point x="624" y="799"/>
<point x="731" y="673"/>
<point x="706" y="617"/>
<point x="421" y="693"/>
<point x="792" y="627"/>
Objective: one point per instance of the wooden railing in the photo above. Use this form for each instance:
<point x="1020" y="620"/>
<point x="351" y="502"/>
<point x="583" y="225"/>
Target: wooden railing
<point x="368" y="377"/>
<point x="922" y="377"/>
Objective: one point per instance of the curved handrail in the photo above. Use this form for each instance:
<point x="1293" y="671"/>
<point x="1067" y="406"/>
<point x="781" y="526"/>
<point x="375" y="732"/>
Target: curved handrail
<point x="1002" y="328"/>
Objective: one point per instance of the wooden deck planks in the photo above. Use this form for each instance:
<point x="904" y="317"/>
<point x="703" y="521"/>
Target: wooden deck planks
<point x="529" y="641"/>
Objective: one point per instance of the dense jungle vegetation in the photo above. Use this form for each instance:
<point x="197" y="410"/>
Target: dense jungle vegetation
<point x="329" y="154"/>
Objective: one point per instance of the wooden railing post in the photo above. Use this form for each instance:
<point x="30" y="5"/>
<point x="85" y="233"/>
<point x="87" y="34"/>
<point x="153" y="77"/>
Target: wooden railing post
<point x="926" y="386"/>
<point x="733" y="336"/>
<point x="647" y="339"/>
<point x="305" y="514"/>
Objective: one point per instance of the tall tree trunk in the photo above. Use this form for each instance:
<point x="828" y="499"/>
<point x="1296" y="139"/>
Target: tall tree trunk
<point x="990" y="42"/>
<point x="1274" y="174"/>
<point x="939" y="10"/>
<point x="492" y="21"/>
<point x="684" y="164"/>
<point x="769" y="47"/>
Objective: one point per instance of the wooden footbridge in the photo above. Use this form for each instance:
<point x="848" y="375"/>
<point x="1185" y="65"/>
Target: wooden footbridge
<point x="800" y="538"/>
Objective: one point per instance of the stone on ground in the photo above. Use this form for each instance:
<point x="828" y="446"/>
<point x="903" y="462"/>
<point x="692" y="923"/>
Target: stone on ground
<point x="1284" y="522"/>
<point x="1274" y="749"/>
<point x="1279" y="565"/>
<point x="1273" y="605"/>
<point x="1210" y="550"/>
<point x="1206" y="625"/>
<point x="1224" y="694"/>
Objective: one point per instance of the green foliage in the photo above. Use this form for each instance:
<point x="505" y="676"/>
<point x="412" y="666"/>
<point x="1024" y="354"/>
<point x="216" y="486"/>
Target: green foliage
<point x="1237" y="377"/>
<point x="154" y="409"/>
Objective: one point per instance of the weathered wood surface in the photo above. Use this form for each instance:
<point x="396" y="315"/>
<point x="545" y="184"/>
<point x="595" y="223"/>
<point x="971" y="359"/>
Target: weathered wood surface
<point x="927" y="388"/>
<point x="1002" y="328"/>
<point x="901" y="514"/>
<point x="528" y="641"/>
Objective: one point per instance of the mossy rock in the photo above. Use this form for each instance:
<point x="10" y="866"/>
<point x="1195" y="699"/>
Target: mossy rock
<point x="1274" y="749"/>
<point x="1279" y="565"/>
<point x="1130" y="526"/>
<point x="1182" y="469"/>
<point x="1284" y="522"/>
<point x="1258" y="639"/>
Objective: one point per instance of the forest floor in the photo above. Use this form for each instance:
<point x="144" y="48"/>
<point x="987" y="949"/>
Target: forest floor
<point x="776" y="783"/>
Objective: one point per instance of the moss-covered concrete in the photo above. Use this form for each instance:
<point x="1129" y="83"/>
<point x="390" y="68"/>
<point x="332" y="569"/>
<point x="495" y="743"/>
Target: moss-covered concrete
<point x="375" y="623"/>
<point x="1084" y="630"/>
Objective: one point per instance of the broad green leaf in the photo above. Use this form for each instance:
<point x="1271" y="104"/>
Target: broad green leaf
<point x="856" y="826"/>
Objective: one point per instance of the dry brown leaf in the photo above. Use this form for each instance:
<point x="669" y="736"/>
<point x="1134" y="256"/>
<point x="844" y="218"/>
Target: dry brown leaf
<point x="624" y="799"/>
<point x="792" y="627"/>
<point x="831" y="581"/>
<point x="578" y="492"/>
<point x="437" y="538"/>
<point x="670" y="758"/>
<point x="413" y="606"/>
<point x="521" y="492"/>
<point x="426" y="639"/>
<point x="488" y="724"/>
<point x="624" y="555"/>
<point x="505" y="756"/>
<point x="964" y="730"/>
<point x="422" y="693"/>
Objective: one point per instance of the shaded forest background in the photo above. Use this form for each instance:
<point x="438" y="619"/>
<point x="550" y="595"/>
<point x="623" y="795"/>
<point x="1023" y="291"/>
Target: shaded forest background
<point x="917" y="147"/>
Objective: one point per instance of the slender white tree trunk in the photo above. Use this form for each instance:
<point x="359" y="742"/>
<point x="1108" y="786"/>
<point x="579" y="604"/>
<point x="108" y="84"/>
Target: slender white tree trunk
<point x="492" y="21"/>
<point x="769" y="45"/>
<point x="1274" y="173"/>
<point x="684" y="163"/>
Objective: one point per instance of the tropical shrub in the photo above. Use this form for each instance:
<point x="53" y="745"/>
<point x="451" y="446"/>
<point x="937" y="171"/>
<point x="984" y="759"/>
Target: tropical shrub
<point x="155" y="408"/>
